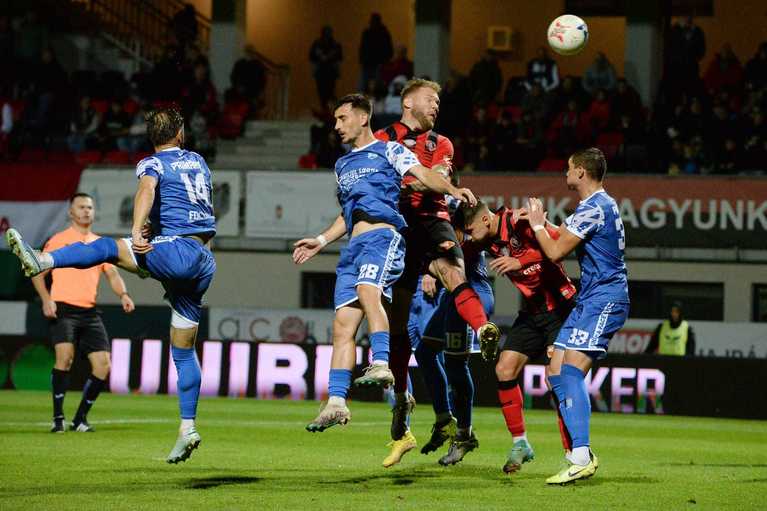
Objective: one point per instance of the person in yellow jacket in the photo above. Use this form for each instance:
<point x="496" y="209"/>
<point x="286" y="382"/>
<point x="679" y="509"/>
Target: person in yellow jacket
<point x="673" y="336"/>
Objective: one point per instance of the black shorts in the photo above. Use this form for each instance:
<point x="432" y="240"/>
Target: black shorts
<point x="422" y="246"/>
<point x="80" y="326"/>
<point x="532" y="333"/>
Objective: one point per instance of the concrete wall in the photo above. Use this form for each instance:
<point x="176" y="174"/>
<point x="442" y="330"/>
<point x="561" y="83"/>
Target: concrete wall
<point x="270" y="280"/>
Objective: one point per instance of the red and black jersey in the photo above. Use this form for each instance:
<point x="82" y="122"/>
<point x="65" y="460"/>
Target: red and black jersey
<point x="431" y="149"/>
<point x="543" y="283"/>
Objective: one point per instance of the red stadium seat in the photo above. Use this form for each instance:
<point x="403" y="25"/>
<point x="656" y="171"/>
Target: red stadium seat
<point x="130" y="106"/>
<point x="118" y="158"/>
<point x="307" y="161"/>
<point x="86" y="158"/>
<point x="31" y="155"/>
<point x="60" y="157"/>
<point x="552" y="165"/>
<point x="100" y="105"/>
<point x="610" y="143"/>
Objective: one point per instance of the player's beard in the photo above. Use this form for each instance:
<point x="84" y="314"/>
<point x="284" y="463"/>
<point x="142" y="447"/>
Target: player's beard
<point x="424" y="121"/>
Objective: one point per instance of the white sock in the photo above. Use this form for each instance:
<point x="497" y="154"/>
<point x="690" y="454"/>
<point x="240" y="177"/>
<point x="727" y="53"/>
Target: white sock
<point x="46" y="260"/>
<point x="516" y="439"/>
<point x="337" y="400"/>
<point x="580" y="455"/>
<point x="380" y="363"/>
<point x="186" y="425"/>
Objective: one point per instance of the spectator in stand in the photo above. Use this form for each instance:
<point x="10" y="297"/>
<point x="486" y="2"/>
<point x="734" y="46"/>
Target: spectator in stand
<point x="167" y="77"/>
<point x="673" y="336"/>
<point x="729" y="161"/>
<point x="200" y="95"/>
<point x="723" y="125"/>
<point x="46" y="80"/>
<point x="724" y="71"/>
<point x="529" y="144"/>
<point x="478" y="134"/>
<point x="400" y="65"/>
<point x="377" y="92"/>
<point x="567" y="130"/>
<point x="694" y="120"/>
<point x="32" y="37"/>
<point x="375" y="49"/>
<point x="184" y="26"/>
<point x="6" y="126"/>
<point x="756" y="68"/>
<point x="755" y="155"/>
<point x="600" y="75"/>
<point x="599" y="112"/>
<point x="114" y="124"/>
<point x="325" y="56"/>
<point x="625" y="102"/>
<point x="198" y="137"/>
<point x="486" y="79"/>
<point x="135" y="139"/>
<point x="393" y="101"/>
<point x="454" y="106"/>
<point x="7" y="57"/>
<point x="83" y="127"/>
<point x="248" y="80"/>
<point x="542" y="70"/>
<point x="329" y="150"/>
<point x="536" y="104"/>
<point x="686" y="47"/>
<point x="503" y="137"/>
<point x="570" y="89"/>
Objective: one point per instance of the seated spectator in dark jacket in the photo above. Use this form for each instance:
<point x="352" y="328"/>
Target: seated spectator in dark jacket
<point x="200" y="95"/>
<point x="599" y="75"/>
<point x="694" y="120"/>
<point x="503" y="140"/>
<point x="325" y="56"/>
<point x="756" y="68"/>
<point x="568" y="90"/>
<point x="567" y="132"/>
<point x="598" y="112"/>
<point x="83" y="128"/>
<point x="115" y="123"/>
<point x="135" y="139"/>
<point x="543" y="70"/>
<point x="486" y="79"/>
<point x="625" y="101"/>
<point x="536" y="104"/>
<point x="724" y="71"/>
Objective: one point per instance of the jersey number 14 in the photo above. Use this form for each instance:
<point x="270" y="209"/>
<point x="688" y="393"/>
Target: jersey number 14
<point x="197" y="191"/>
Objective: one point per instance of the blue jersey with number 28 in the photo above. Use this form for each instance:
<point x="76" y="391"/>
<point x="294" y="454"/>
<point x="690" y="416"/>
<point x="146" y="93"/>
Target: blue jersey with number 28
<point x="597" y="221"/>
<point x="182" y="203"/>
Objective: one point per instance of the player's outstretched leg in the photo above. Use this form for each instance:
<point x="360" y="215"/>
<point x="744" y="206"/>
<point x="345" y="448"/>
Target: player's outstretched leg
<point x="444" y="428"/>
<point x="459" y="376"/>
<point x="575" y="406"/>
<point x="189" y="380"/>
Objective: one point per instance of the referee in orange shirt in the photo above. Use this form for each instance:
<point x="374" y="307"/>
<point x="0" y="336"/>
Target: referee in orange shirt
<point x="75" y="321"/>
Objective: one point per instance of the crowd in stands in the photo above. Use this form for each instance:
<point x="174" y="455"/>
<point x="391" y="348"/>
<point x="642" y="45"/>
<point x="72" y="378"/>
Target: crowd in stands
<point x="703" y="122"/>
<point x="87" y="116"/>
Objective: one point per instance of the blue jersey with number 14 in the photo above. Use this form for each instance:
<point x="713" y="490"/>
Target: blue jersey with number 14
<point x="597" y="221"/>
<point x="182" y="203"/>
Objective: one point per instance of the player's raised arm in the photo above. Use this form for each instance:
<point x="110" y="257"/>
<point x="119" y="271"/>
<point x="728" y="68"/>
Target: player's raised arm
<point x="555" y="249"/>
<point x="435" y="182"/>
<point x="307" y="248"/>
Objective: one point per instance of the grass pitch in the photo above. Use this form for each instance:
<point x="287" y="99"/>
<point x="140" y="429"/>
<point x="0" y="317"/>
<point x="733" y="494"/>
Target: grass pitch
<point x="256" y="455"/>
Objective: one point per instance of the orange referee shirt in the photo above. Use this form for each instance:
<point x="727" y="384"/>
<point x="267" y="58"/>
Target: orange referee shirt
<point x="71" y="285"/>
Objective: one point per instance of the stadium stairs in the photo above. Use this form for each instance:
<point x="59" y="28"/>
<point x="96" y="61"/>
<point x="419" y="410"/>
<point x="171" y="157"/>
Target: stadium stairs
<point x="266" y="145"/>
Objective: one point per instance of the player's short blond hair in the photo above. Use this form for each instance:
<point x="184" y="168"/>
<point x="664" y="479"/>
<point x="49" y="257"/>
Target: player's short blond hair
<point x="414" y="84"/>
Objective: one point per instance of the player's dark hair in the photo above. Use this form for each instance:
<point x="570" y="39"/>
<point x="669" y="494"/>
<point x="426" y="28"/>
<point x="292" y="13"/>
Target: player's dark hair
<point x="469" y="213"/>
<point x="593" y="161"/>
<point x="357" y="101"/>
<point x="163" y="124"/>
<point x="78" y="195"/>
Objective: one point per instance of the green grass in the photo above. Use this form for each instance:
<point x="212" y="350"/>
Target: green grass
<point x="256" y="455"/>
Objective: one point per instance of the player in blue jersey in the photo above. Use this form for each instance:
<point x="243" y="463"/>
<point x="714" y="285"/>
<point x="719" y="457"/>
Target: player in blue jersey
<point x="595" y="231"/>
<point x="173" y="223"/>
<point x="443" y="341"/>
<point x="369" y="179"/>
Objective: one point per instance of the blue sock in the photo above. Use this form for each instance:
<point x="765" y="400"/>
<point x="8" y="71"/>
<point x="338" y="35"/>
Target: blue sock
<point x="379" y="344"/>
<point x="576" y="406"/>
<point x="339" y="382"/>
<point x="555" y="380"/>
<point x="189" y="378"/>
<point x="84" y="255"/>
<point x="434" y="377"/>
<point x="462" y="385"/>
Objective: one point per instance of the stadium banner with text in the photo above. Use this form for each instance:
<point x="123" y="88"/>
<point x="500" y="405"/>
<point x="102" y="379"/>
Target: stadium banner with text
<point x="620" y="384"/>
<point x="113" y="191"/>
<point x="692" y="212"/>
<point x="289" y="205"/>
<point x="36" y="200"/>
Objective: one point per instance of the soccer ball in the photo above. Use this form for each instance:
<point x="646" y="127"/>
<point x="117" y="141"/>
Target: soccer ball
<point x="568" y="34"/>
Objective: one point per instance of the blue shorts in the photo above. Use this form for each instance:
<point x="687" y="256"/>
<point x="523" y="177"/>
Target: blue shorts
<point x="375" y="258"/>
<point x="438" y="321"/>
<point x="185" y="269"/>
<point x="590" y="326"/>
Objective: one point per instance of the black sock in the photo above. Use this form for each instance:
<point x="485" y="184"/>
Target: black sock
<point x="59" y="385"/>
<point x="91" y="391"/>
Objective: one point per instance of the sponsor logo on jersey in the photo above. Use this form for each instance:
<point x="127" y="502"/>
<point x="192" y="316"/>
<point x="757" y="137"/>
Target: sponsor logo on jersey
<point x="186" y="165"/>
